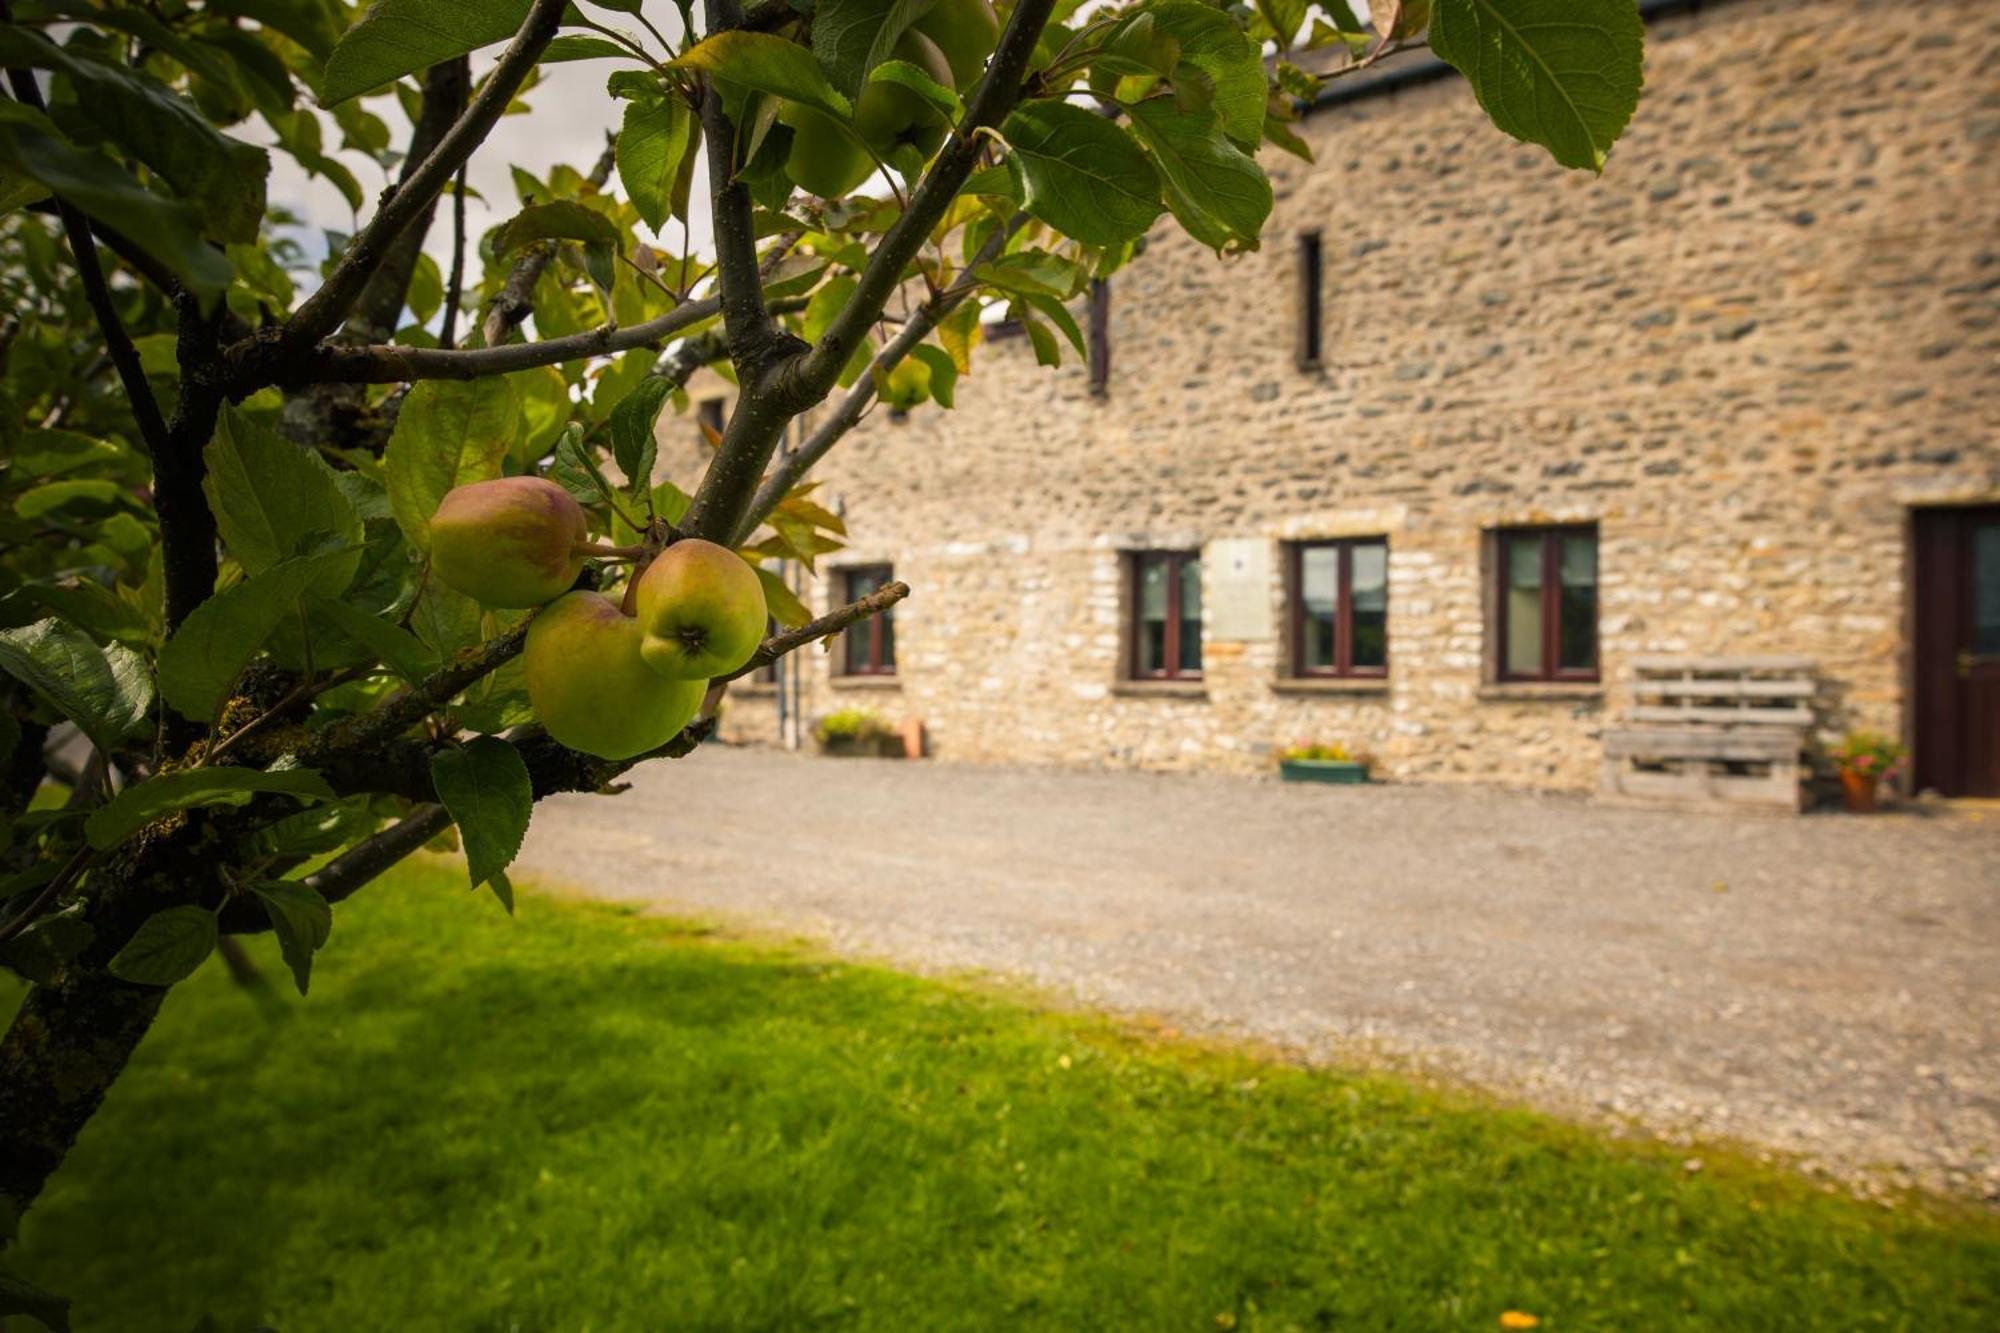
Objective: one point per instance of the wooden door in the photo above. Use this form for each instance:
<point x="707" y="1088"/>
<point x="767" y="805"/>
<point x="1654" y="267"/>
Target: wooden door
<point x="1957" y="702"/>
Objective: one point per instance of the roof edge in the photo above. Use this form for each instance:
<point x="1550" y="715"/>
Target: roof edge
<point x="1387" y="79"/>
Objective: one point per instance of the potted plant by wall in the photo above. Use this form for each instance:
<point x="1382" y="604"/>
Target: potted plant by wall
<point x="1317" y="762"/>
<point x="851" y="732"/>
<point x="1865" y="760"/>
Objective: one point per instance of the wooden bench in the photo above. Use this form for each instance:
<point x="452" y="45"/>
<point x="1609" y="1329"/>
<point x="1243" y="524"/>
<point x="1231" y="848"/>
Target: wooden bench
<point x="1712" y="731"/>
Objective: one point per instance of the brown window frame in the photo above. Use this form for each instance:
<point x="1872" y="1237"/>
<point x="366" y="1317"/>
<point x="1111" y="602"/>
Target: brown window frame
<point x="1552" y="671"/>
<point x="873" y="627"/>
<point x="1100" y="337"/>
<point x="1343" y="667"/>
<point x="1311" y="328"/>
<point x="1170" y="651"/>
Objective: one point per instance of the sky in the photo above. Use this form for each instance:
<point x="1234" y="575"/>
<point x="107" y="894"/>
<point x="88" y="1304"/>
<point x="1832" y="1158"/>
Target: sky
<point x="571" y="112"/>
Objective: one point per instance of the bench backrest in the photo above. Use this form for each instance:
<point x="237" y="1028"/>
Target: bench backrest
<point x="1733" y="691"/>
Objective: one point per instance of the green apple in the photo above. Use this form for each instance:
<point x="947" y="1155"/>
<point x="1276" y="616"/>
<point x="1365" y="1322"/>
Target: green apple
<point x="887" y="114"/>
<point x="966" y="31"/>
<point x="589" y="686"/>
<point x="702" y="609"/>
<point x="909" y="383"/>
<point x="510" y="542"/>
<point x="823" y="159"/>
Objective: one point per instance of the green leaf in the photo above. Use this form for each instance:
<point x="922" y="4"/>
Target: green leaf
<point x="944" y="372"/>
<point x="545" y="409"/>
<point x="633" y="444"/>
<point x="301" y="919"/>
<point x="1083" y="175"/>
<point x="25" y="1298"/>
<point x="576" y="46"/>
<point x="398" y="37"/>
<point x="425" y="295"/>
<point x="576" y="471"/>
<point x="272" y="499"/>
<point x="106" y="691"/>
<point x="565" y="220"/>
<point x="851" y="37"/>
<point x="218" y="639"/>
<point x="784" y="604"/>
<point x="449" y="433"/>
<point x="485" y="786"/>
<point x="658" y="133"/>
<point x="825" y="304"/>
<point x="143" y="802"/>
<point x="561" y="219"/>
<point x="39" y="952"/>
<point x="943" y="100"/>
<point x="222" y="176"/>
<point x="1564" y="74"/>
<point x="395" y="647"/>
<point x="168" y="948"/>
<point x="37" y="501"/>
<point x="1215" y="189"/>
<point x="765" y="63"/>
<point x="93" y="607"/>
<point x="171" y="231"/>
<point x="1285" y="17"/>
<point x="445" y="620"/>
<point x="1211" y="42"/>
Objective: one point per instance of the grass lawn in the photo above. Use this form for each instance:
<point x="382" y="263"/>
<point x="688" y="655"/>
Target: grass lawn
<point x="585" y="1120"/>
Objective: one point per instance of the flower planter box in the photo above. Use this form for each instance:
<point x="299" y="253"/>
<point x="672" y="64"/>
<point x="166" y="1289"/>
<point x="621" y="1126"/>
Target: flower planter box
<point x="1323" y="770"/>
<point x="862" y="747"/>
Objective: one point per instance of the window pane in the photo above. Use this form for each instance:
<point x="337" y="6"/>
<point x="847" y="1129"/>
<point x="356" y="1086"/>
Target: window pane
<point x="1523" y="649"/>
<point x="1319" y="591"/>
<point x="1190" y="573"/>
<point x="1368" y="586"/>
<point x="1152" y="635"/>
<point x="1986" y="589"/>
<point x="1577" y="628"/>
<point x="856" y="650"/>
<point x="888" y="623"/>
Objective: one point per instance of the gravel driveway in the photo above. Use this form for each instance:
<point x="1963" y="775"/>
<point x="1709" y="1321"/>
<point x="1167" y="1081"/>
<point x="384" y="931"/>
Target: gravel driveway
<point x="1825" y="986"/>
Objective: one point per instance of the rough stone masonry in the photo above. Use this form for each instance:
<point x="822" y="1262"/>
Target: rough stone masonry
<point x="1746" y="353"/>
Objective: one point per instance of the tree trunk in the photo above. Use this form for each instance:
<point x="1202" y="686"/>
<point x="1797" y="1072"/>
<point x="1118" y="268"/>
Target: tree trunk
<point x="67" y="1046"/>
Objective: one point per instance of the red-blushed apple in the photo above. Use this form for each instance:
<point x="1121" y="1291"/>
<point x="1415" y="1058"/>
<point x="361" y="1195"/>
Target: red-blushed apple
<point x="702" y="609"/>
<point x="510" y="542"/>
<point x="589" y="687"/>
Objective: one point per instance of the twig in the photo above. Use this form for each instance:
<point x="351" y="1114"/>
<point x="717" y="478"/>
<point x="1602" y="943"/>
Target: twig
<point x="39" y="905"/>
<point x="833" y="622"/>
<point x="454" y="290"/>
<point x="517" y="297"/>
<point x="323" y="311"/>
<point x="125" y="356"/>
<point x="921" y="322"/>
<point x="436" y="690"/>
<point x="386" y="364"/>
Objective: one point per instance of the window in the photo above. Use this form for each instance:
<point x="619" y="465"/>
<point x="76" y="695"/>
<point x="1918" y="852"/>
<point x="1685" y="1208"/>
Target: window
<point x="711" y="416"/>
<point x="1100" y="337"/>
<point x="1340" y="607"/>
<point x="1166" y="615"/>
<point x="1310" y="283"/>
<point x="1547" y="605"/>
<point x="868" y="649"/>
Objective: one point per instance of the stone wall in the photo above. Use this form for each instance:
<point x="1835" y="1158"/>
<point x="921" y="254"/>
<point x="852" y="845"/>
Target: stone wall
<point x="1744" y="352"/>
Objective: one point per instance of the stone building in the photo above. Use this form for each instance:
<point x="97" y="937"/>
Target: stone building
<point x="1739" y="395"/>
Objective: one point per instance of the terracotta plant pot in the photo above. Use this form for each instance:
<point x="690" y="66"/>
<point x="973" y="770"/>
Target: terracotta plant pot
<point x="1857" y="791"/>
